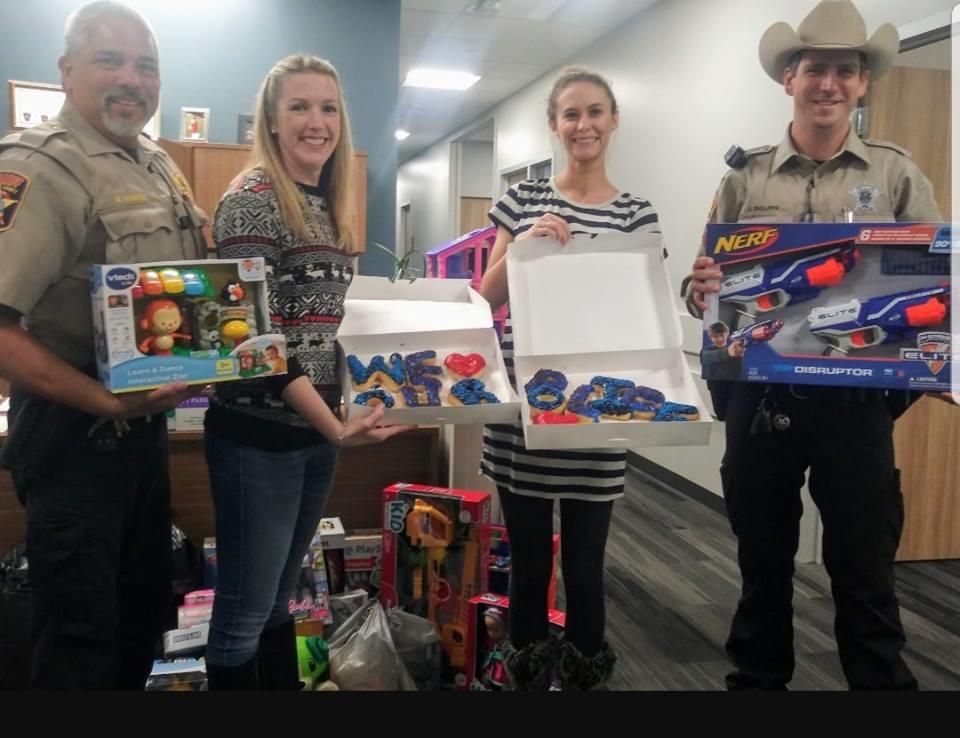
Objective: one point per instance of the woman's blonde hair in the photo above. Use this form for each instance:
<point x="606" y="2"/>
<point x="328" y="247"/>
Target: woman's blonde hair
<point x="336" y="180"/>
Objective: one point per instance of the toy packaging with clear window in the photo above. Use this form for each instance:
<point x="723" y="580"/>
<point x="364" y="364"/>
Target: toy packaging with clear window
<point x="196" y="321"/>
<point x="488" y="622"/>
<point x="433" y="546"/>
<point x="855" y="304"/>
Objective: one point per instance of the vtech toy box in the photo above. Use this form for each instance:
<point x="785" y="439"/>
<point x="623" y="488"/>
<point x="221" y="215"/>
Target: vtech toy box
<point x="194" y="321"/>
<point x="831" y="304"/>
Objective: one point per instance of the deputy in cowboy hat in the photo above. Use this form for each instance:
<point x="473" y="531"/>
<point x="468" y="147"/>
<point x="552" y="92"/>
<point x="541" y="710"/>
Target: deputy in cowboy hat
<point x="821" y="172"/>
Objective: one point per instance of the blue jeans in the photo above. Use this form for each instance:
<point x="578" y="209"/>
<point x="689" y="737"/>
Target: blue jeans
<point x="268" y="505"/>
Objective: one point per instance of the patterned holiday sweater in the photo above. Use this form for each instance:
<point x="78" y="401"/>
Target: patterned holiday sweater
<point x="307" y="282"/>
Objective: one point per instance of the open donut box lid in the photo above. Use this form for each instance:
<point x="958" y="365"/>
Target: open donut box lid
<point x="443" y="315"/>
<point x="601" y="306"/>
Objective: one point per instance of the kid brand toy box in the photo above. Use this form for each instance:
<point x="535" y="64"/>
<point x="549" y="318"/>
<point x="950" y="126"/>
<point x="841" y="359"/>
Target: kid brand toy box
<point x="830" y="303"/>
<point x="426" y="349"/>
<point x="194" y="321"/>
<point x="433" y="545"/>
<point x="597" y="346"/>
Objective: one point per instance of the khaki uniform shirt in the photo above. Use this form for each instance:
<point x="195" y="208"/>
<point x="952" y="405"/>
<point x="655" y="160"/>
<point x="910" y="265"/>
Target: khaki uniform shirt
<point x="70" y="199"/>
<point x="866" y="181"/>
<point x="872" y="181"/>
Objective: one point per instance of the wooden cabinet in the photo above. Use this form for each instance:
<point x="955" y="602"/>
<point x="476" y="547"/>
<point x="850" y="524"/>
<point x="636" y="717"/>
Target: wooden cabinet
<point x="210" y="167"/>
<point x="926" y="438"/>
<point x="357" y="497"/>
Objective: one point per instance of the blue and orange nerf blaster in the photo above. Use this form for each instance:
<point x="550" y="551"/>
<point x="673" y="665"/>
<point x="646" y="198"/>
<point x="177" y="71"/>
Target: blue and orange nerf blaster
<point x="895" y="317"/>
<point x="770" y="286"/>
<point x="757" y="332"/>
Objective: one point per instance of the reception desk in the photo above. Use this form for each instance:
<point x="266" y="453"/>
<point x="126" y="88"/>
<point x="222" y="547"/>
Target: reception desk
<point x="362" y="473"/>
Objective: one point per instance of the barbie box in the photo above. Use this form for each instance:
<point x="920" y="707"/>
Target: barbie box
<point x="830" y="303"/>
<point x="597" y="346"/>
<point x="195" y="321"/>
<point x="426" y="349"/>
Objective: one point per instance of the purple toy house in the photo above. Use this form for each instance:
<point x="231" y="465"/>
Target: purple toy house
<point x="465" y="257"/>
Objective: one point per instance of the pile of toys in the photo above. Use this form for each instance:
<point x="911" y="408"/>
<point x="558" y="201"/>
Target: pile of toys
<point x="444" y="561"/>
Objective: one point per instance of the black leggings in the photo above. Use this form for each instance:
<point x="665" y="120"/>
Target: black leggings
<point x="584" y="526"/>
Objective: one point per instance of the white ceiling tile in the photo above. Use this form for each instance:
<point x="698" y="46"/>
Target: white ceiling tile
<point x="509" y="50"/>
<point x="424" y="23"/>
<point x="444" y="6"/>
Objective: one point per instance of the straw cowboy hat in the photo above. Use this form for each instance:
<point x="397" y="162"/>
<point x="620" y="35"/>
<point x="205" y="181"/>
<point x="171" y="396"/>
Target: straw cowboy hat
<point x="832" y="24"/>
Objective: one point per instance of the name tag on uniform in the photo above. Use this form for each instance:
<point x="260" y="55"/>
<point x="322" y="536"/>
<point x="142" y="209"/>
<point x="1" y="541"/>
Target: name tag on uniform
<point x="130" y="198"/>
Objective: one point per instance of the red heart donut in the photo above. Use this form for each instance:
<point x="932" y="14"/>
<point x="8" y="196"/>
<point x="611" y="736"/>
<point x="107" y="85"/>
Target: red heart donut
<point x="551" y="418"/>
<point x="465" y="365"/>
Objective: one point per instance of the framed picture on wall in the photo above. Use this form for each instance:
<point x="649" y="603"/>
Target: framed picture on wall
<point x="32" y="103"/>
<point x="194" y="124"/>
<point x="244" y="128"/>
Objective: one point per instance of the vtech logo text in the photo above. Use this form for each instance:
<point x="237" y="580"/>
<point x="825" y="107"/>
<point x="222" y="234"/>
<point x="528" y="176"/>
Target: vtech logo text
<point x="121" y="278"/>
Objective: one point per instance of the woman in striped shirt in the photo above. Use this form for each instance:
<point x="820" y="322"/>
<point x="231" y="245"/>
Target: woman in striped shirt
<point x="582" y="113"/>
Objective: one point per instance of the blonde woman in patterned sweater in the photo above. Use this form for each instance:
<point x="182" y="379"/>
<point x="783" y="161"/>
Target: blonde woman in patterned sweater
<point x="272" y="444"/>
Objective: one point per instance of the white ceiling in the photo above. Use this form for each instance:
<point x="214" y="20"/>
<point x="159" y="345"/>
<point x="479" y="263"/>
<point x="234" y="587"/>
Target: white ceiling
<point x="509" y="43"/>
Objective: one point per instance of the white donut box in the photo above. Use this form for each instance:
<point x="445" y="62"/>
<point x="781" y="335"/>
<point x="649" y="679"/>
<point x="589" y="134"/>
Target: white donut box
<point x="443" y="315"/>
<point x="601" y="306"/>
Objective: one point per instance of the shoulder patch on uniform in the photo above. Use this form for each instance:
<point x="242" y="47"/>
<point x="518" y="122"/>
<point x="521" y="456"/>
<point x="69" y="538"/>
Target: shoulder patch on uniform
<point x="876" y="143"/>
<point x="13" y="190"/>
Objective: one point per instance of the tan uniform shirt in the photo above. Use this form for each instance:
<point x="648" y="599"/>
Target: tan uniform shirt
<point x="866" y="181"/>
<point x="71" y="198"/>
<point x="872" y="181"/>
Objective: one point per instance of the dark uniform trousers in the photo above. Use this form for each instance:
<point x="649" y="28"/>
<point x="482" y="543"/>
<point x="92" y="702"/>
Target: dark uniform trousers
<point x="98" y="548"/>
<point x="844" y="437"/>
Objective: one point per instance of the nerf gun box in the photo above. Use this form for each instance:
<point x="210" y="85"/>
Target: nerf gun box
<point x="852" y="304"/>
<point x="433" y="545"/>
<point x="488" y="620"/>
<point x="195" y="321"/>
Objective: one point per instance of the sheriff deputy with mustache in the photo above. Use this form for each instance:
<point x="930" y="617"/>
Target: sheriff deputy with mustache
<point x="90" y="467"/>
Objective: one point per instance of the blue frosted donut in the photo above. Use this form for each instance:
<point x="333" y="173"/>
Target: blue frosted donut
<point x="612" y="408"/>
<point x="638" y="406"/>
<point x="643" y="393"/>
<point x="549" y="377"/>
<point x="418" y="370"/>
<point x="362" y="373"/>
<point x="672" y="411"/>
<point x="473" y="392"/>
<point x="611" y="386"/>
<point x="545" y="397"/>
<point x="579" y="403"/>
<point x="426" y="395"/>
<point x="377" y="393"/>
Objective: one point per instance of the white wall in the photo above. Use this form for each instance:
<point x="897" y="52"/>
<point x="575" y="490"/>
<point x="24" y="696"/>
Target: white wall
<point x="476" y="163"/>
<point x="424" y="182"/>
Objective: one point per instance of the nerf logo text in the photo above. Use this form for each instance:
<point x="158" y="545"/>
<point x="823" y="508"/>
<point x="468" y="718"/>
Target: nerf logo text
<point x="753" y="238"/>
<point x="121" y="278"/>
